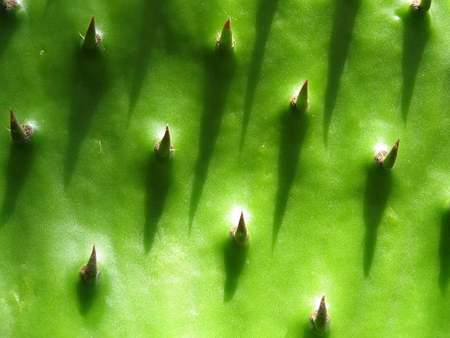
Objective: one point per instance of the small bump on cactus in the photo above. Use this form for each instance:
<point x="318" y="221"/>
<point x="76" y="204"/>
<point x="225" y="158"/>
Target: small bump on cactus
<point x="387" y="159"/>
<point x="20" y="133"/>
<point x="301" y="101"/>
<point x="90" y="271"/>
<point x="92" y="39"/>
<point x="164" y="147"/>
<point x="225" y="41"/>
<point x="320" y="318"/>
<point x="423" y="5"/>
<point x="239" y="233"/>
<point x="9" y="5"/>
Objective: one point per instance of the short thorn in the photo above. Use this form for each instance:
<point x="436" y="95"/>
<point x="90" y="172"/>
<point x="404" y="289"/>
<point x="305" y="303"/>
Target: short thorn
<point x="225" y="41"/>
<point x="9" y="5"/>
<point x="387" y="159"/>
<point x="90" y="271"/>
<point x="301" y="101"/>
<point x="239" y="233"/>
<point x="422" y="5"/>
<point x="164" y="147"/>
<point x="319" y="318"/>
<point x="20" y="133"/>
<point x="91" y="39"/>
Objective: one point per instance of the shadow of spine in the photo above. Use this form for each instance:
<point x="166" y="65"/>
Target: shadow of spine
<point x="87" y="293"/>
<point x="264" y="17"/>
<point x="157" y="27"/>
<point x="293" y="130"/>
<point x="20" y="162"/>
<point x="235" y="257"/>
<point x="444" y="252"/>
<point x="151" y="17"/>
<point x="344" y="19"/>
<point x="378" y="188"/>
<point x="89" y="83"/>
<point x="219" y="70"/>
<point x="416" y="33"/>
<point x="159" y="177"/>
<point x="9" y="22"/>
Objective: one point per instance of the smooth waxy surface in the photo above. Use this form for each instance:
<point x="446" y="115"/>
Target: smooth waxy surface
<point x="323" y="218"/>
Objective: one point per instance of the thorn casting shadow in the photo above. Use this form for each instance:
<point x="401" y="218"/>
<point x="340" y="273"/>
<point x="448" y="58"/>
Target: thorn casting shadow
<point x="159" y="177"/>
<point x="293" y="129"/>
<point x="89" y="82"/>
<point x="378" y="188"/>
<point x="20" y="161"/>
<point x="344" y="19"/>
<point x="444" y="252"/>
<point x="416" y="33"/>
<point x="219" y="70"/>
<point x="235" y="257"/>
<point x="264" y="17"/>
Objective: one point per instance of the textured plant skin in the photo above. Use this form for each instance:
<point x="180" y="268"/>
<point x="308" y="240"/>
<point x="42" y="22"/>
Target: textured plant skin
<point x="324" y="219"/>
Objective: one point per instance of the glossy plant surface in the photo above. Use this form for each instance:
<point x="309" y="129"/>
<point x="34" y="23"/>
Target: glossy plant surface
<point x="323" y="218"/>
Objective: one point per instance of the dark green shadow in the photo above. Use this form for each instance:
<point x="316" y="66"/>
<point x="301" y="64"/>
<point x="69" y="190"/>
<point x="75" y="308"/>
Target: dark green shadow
<point x="444" y="252"/>
<point x="157" y="26"/>
<point x="309" y="332"/>
<point x="292" y="134"/>
<point x="9" y="22"/>
<point x="219" y="69"/>
<point x="378" y="188"/>
<point x="341" y="35"/>
<point x="152" y="16"/>
<point x="18" y="167"/>
<point x="89" y="82"/>
<point x="87" y="293"/>
<point x="159" y="178"/>
<point x="48" y="4"/>
<point x="92" y="300"/>
<point x="235" y="257"/>
<point x="416" y="33"/>
<point x="264" y="18"/>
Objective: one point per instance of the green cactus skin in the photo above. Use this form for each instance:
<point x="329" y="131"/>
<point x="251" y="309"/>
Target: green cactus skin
<point x="324" y="218"/>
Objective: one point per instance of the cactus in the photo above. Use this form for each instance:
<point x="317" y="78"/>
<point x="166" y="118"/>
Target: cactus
<point x="324" y="218"/>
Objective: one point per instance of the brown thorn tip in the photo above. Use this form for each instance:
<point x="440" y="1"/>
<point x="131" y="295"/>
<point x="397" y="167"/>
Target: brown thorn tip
<point x="319" y="318"/>
<point x="241" y="225"/>
<point x="241" y="219"/>
<point x="305" y="85"/>
<point x="90" y="271"/>
<point x="13" y="117"/>
<point x="167" y="132"/>
<point x="239" y="233"/>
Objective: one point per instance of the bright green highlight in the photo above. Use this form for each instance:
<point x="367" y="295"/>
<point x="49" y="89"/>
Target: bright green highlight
<point x="324" y="218"/>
